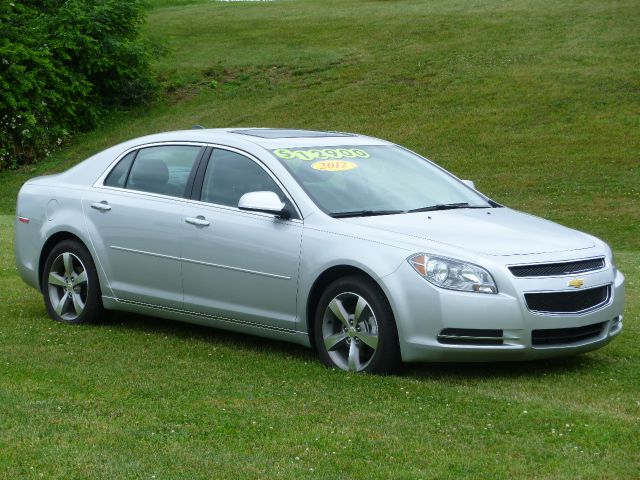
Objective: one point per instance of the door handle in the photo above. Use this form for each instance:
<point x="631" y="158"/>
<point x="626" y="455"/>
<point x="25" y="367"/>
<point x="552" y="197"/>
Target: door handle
<point x="102" y="206"/>
<point x="198" y="221"/>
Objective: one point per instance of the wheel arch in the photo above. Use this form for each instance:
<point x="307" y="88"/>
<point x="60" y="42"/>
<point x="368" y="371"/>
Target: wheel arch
<point x="49" y="245"/>
<point x="322" y="282"/>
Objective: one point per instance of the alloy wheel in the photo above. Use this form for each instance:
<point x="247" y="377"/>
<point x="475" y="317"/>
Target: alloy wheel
<point x="350" y="331"/>
<point x="68" y="286"/>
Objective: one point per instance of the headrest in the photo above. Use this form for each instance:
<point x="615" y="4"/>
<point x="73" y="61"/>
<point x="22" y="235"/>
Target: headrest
<point x="149" y="172"/>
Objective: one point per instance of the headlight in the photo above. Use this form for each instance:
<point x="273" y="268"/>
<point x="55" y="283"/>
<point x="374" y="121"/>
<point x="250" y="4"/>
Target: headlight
<point x="453" y="274"/>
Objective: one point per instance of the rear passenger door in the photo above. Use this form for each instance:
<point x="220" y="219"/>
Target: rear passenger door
<point x="134" y="218"/>
<point x="240" y="265"/>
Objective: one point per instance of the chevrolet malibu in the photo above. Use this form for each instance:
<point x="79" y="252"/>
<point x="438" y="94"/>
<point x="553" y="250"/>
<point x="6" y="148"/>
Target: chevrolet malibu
<point x="351" y="245"/>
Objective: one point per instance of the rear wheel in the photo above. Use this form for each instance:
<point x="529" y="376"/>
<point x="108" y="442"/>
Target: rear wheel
<point x="354" y="327"/>
<point x="70" y="284"/>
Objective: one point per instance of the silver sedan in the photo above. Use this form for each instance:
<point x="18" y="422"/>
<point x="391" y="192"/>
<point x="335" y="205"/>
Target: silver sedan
<point x="357" y="247"/>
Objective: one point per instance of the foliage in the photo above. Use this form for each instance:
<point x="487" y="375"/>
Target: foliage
<point x="62" y="65"/>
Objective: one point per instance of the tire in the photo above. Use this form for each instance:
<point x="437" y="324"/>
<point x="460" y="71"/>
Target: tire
<point x="70" y="284"/>
<point x="354" y="328"/>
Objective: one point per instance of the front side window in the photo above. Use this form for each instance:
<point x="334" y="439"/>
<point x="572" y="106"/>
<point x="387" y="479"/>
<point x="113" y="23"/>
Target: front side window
<point x="230" y="175"/>
<point x="164" y="169"/>
<point x="374" y="178"/>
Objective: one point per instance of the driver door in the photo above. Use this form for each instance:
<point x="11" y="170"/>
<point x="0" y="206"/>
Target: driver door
<point x="236" y="264"/>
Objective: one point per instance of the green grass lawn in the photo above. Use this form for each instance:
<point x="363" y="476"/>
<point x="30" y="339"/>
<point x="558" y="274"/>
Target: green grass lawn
<point x="538" y="102"/>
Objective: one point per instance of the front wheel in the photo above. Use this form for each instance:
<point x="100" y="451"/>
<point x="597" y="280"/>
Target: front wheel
<point x="354" y="327"/>
<point x="70" y="284"/>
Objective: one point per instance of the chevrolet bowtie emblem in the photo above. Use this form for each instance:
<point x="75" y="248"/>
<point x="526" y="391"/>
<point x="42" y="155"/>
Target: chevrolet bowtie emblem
<point x="576" y="282"/>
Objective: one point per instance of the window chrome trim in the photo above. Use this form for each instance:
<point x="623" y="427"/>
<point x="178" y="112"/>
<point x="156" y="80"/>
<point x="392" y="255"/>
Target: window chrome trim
<point x="236" y="210"/>
<point x="99" y="183"/>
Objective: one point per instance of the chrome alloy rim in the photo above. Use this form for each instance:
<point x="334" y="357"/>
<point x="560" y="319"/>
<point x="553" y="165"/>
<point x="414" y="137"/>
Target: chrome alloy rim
<point x="67" y="284"/>
<point x="350" y="331"/>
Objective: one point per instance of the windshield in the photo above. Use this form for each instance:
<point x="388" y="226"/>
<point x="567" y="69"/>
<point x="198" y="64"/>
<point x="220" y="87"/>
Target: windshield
<point x="370" y="180"/>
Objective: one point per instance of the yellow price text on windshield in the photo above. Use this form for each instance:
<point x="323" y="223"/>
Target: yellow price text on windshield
<point x="334" y="165"/>
<point x="320" y="153"/>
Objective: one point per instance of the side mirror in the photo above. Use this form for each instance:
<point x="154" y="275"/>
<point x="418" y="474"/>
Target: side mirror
<point x="469" y="183"/>
<point x="266" y="202"/>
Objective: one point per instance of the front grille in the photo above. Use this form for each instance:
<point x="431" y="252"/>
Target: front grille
<point x="564" y="336"/>
<point x="568" y="302"/>
<point x="560" y="268"/>
<point x="470" y="336"/>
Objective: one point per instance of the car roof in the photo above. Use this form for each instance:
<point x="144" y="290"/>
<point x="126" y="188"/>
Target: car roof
<point x="268" y="138"/>
<point x="275" y="133"/>
<point x="242" y="138"/>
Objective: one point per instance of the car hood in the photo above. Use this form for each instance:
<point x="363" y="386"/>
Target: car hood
<point x="494" y="231"/>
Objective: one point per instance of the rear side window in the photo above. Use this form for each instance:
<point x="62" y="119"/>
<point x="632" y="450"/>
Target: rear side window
<point x="163" y="170"/>
<point x="118" y="176"/>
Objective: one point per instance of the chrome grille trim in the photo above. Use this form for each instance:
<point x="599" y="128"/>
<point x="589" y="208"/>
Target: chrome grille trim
<point x="475" y="337"/>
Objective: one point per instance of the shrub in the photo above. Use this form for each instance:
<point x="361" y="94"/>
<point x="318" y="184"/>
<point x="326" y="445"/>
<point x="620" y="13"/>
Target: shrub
<point x="63" y="63"/>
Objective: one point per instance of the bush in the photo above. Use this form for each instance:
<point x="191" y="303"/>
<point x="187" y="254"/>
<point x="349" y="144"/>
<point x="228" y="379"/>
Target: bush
<point x="63" y="63"/>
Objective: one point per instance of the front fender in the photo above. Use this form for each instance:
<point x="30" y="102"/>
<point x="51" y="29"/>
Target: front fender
<point x="322" y="250"/>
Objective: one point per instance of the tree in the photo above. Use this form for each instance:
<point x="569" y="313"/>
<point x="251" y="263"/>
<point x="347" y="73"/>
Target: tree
<point x="63" y="64"/>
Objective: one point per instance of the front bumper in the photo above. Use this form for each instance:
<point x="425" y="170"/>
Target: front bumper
<point x="425" y="315"/>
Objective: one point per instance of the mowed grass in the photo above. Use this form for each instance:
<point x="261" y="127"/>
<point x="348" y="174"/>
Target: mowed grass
<point x="139" y="397"/>
<point x="537" y="102"/>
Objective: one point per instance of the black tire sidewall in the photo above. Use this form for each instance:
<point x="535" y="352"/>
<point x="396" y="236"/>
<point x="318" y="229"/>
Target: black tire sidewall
<point x="386" y="359"/>
<point x="93" y="310"/>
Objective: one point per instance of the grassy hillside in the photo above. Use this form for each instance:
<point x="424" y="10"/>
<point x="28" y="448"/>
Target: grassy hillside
<point x="537" y="101"/>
